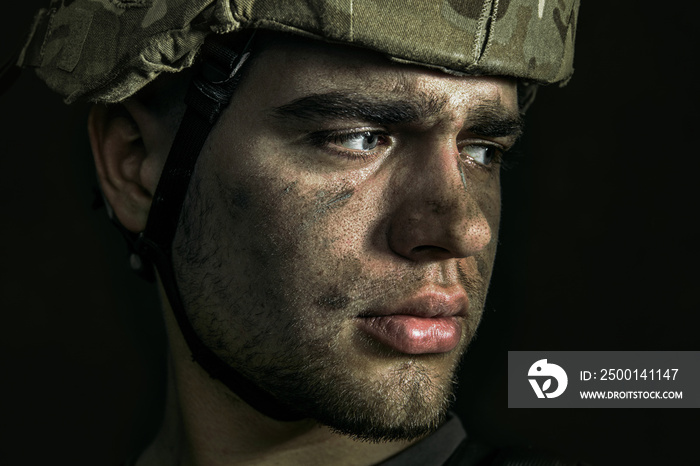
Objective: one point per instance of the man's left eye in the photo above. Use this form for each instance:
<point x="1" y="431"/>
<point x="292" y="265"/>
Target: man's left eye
<point x="364" y="141"/>
<point x="484" y="155"/>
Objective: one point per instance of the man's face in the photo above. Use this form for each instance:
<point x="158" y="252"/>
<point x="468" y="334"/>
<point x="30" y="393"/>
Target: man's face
<point x="339" y="233"/>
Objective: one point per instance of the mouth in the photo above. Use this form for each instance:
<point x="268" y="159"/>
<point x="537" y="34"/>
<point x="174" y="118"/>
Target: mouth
<point x="429" y="322"/>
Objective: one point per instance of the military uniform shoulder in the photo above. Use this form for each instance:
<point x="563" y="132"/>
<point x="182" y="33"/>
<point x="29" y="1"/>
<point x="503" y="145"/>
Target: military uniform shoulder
<point x="472" y="453"/>
<point x="451" y="446"/>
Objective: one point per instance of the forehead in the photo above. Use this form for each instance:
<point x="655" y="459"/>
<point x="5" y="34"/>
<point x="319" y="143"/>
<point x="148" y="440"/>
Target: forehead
<point x="290" y="68"/>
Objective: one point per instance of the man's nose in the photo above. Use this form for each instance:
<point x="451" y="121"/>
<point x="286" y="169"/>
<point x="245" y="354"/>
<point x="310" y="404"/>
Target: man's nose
<point x="438" y="215"/>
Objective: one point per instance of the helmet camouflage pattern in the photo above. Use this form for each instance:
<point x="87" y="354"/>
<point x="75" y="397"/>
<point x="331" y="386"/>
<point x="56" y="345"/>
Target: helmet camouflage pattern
<point x="106" y="50"/>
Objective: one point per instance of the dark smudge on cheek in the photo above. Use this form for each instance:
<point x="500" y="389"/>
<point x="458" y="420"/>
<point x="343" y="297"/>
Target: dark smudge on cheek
<point x="485" y="266"/>
<point x="240" y="198"/>
<point x="327" y="203"/>
<point x="333" y="301"/>
<point x="237" y="198"/>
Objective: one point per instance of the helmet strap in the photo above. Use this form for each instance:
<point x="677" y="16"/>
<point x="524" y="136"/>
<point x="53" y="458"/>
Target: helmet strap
<point x="209" y="94"/>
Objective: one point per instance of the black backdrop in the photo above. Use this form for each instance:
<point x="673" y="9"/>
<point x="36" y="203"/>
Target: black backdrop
<point x="598" y="252"/>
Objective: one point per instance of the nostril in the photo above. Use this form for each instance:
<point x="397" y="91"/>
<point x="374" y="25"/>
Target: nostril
<point x="429" y="249"/>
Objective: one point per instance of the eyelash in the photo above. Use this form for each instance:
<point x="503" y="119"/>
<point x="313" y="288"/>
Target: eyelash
<point x="505" y="158"/>
<point x="332" y="140"/>
<point x="498" y="156"/>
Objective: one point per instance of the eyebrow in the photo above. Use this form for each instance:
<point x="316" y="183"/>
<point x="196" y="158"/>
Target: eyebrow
<point x="354" y="106"/>
<point x="488" y="118"/>
<point x="491" y="120"/>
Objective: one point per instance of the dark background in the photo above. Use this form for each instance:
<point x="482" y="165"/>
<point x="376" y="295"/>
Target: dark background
<point x="598" y="252"/>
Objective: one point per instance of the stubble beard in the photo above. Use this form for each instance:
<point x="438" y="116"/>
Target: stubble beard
<point x="302" y="362"/>
<point x="406" y="402"/>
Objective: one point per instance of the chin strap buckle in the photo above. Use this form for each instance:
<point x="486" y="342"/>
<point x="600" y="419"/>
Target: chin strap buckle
<point x="212" y="88"/>
<point x="209" y="94"/>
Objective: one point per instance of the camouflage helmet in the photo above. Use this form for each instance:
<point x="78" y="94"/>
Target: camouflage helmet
<point x="106" y="50"/>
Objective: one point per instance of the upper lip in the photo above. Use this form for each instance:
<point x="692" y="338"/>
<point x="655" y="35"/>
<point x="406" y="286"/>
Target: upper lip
<point x="427" y="303"/>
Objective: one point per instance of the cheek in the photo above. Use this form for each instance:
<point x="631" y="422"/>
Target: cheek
<point x="294" y="230"/>
<point x="490" y="203"/>
<point x="318" y="226"/>
<point x="488" y="199"/>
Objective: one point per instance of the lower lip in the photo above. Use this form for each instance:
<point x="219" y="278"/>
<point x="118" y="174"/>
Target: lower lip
<point x="414" y="335"/>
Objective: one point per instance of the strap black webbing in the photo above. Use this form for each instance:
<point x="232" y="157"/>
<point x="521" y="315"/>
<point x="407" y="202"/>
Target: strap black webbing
<point x="210" y="92"/>
<point x="9" y="72"/>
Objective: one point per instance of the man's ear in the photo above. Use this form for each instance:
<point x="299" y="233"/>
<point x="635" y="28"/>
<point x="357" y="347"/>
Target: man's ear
<point x="124" y="157"/>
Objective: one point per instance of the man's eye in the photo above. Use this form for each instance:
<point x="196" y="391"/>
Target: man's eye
<point x="364" y="141"/>
<point x="484" y="155"/>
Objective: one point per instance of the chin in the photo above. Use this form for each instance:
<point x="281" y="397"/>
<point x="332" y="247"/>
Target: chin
<point x="405" y="401"/>
<point x="408" y="404"/>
